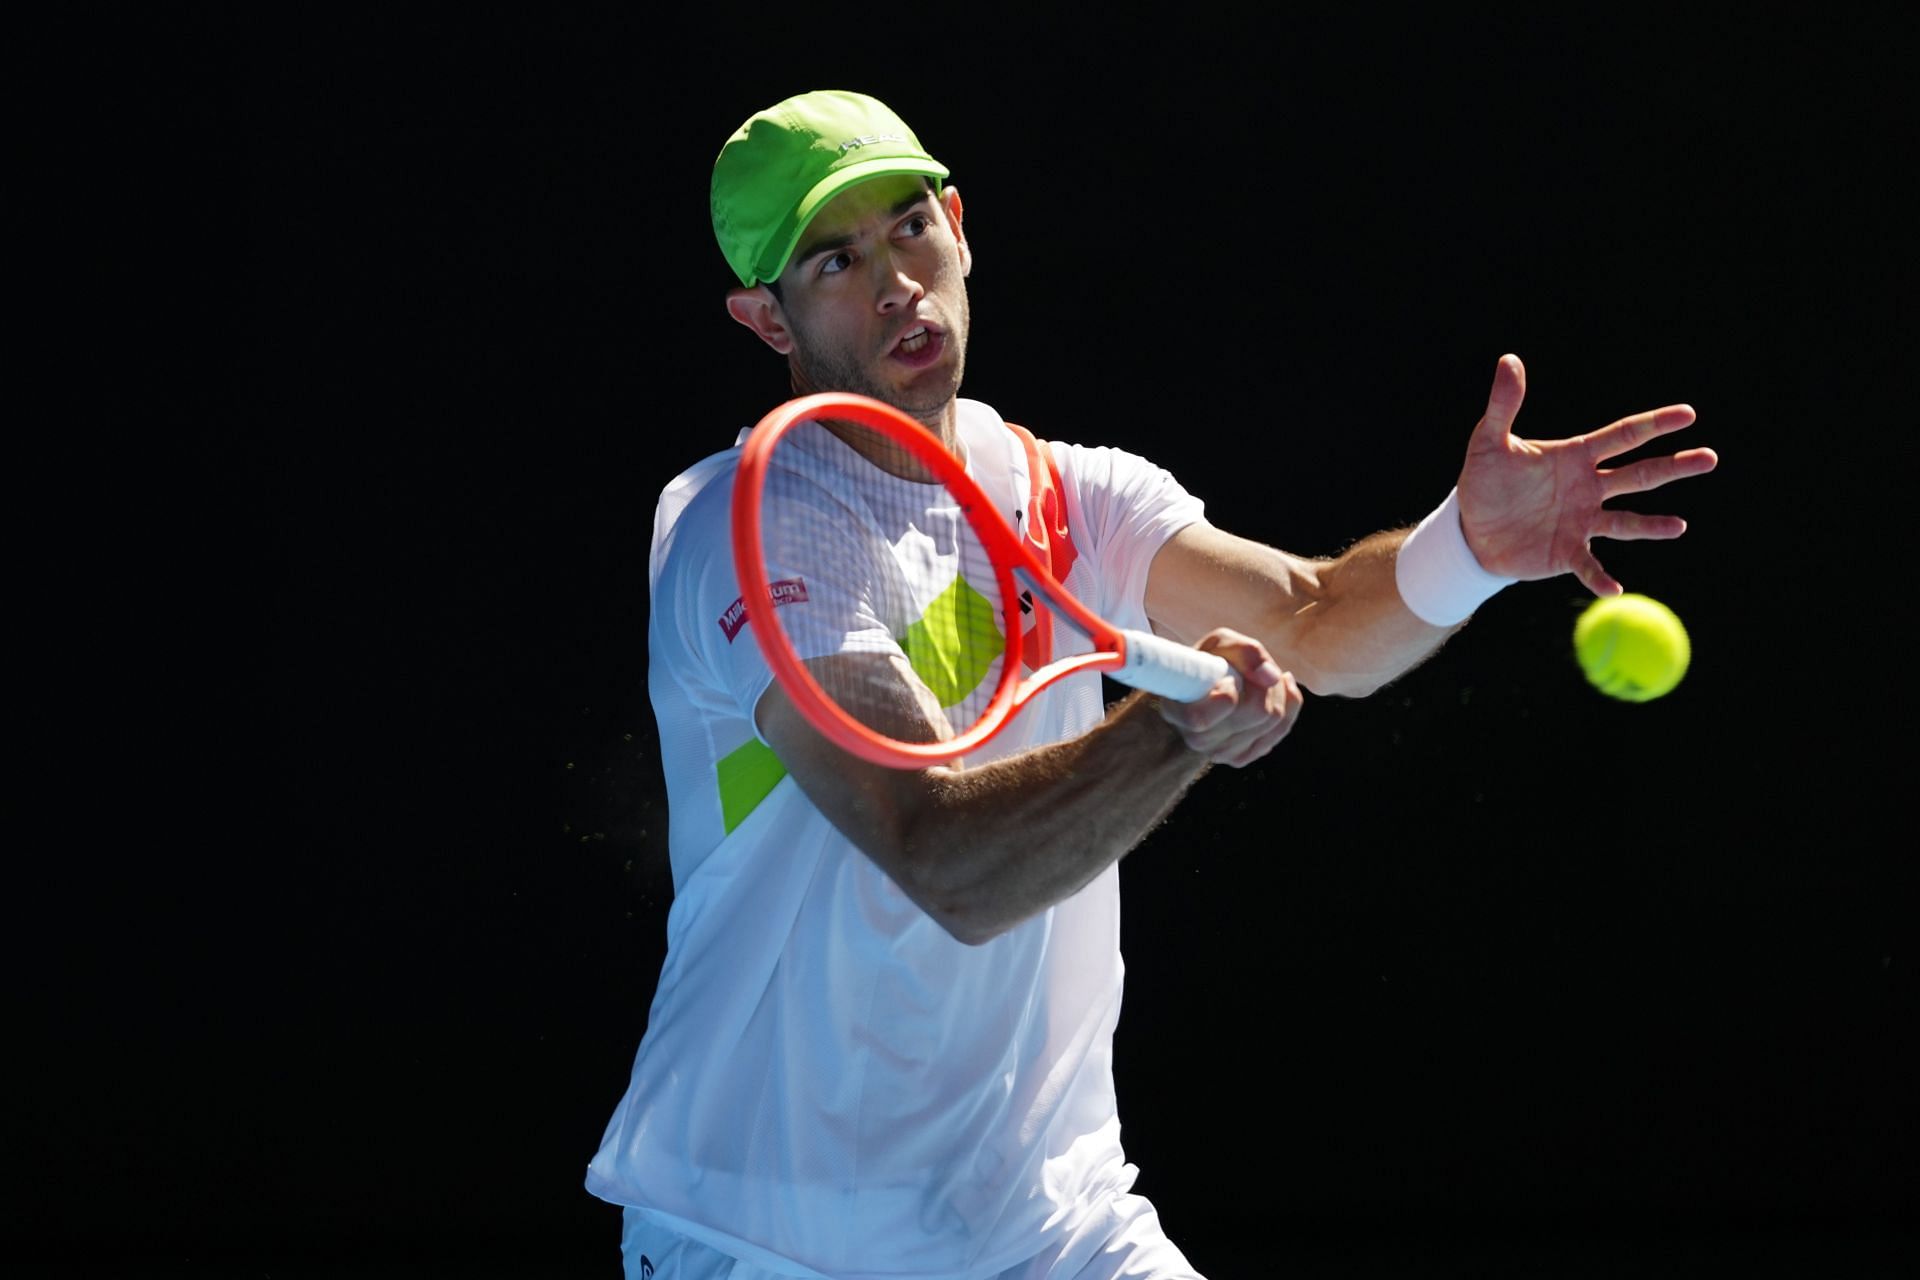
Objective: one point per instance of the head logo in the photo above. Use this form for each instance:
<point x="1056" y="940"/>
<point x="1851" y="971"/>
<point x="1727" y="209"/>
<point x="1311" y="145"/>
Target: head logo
<point x="868" y="139"/>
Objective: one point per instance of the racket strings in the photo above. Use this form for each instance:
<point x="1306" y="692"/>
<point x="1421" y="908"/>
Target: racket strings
<point x="891" y="598"/>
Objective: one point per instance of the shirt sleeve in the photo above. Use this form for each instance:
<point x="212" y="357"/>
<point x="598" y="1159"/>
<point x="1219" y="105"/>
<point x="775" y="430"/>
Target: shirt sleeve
<point x="1121" y="509"/>
<point x="825" y="607"/>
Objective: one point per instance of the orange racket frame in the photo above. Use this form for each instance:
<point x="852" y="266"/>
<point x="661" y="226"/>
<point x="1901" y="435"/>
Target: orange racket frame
<point x="1133" y="657"/>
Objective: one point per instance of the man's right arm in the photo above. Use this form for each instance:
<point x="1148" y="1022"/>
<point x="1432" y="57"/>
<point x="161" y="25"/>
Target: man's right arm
<point x="982" y="849"/>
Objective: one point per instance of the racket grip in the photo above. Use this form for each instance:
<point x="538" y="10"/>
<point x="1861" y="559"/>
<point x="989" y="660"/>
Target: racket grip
<point x="1168" y="668"/>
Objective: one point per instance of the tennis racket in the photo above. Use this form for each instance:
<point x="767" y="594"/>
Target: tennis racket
<point x="895" y="604"/>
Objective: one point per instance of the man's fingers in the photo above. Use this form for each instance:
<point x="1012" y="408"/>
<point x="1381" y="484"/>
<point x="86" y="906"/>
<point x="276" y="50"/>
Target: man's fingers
<point x="1651" y="473"/>
<point x="1631" y="526"/>
<point x="1594" y="578"/>
<point x="1241" y="719"/>
<point x="1630" y="433"/>
<point x="1281" y="711"/>
<point x="1503" y="401"/>
<point x="1200" y="721"/>
<point x="1244" y="654"/>
<point x="1261" y="727"/>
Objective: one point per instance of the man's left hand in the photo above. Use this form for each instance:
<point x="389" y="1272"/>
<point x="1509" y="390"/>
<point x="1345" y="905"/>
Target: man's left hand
<point x="1529" y="508"/>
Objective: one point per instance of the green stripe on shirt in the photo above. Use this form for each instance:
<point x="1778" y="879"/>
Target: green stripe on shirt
<point x="746" y="774"/>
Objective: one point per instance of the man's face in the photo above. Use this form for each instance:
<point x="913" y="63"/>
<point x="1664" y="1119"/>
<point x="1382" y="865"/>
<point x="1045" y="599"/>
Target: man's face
<point x="876" y="299"/>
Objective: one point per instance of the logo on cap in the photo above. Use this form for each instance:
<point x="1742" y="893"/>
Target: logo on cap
<point x="870" y="138"/>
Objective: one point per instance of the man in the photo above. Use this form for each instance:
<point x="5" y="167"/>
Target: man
<point x="882" y="1035"/>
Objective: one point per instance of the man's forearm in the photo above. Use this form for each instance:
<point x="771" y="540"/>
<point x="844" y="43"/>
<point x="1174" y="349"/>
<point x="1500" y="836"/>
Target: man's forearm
<point x="1355" y="633"/>
<point x="1339" y="624"/>
<point x="989" y="847"/>
<point x="982" y="849"/>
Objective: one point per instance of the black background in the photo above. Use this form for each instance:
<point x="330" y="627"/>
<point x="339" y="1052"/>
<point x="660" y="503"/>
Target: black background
<point x="357" y="927"/>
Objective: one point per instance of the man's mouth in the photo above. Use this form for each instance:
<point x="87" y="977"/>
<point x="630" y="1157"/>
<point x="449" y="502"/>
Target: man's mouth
<point x="918" y="346"/>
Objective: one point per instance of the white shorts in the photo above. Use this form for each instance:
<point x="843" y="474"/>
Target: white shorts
<point x="1125" y="1243"/>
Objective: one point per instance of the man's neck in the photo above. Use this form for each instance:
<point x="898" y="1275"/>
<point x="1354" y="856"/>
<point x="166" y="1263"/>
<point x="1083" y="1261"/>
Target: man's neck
<point x="888" y="456"/>
<point x="944" y="423"/>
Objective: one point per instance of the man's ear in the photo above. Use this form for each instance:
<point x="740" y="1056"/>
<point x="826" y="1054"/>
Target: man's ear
<point x="761" y="312"/>
<point x="950" y="201"/>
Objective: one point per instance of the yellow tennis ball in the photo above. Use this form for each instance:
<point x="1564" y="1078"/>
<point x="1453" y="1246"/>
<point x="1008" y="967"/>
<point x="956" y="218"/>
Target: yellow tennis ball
<point x="1631" y="647"/>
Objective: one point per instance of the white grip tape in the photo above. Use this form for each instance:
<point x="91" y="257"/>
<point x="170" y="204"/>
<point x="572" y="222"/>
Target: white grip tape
<point x="1168" y="668"/>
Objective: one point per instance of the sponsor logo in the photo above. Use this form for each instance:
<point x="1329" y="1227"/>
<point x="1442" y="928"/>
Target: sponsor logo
<point x="868" y="139"/>
<point x="646" y="1267"/>
<point x="785" y="591"/>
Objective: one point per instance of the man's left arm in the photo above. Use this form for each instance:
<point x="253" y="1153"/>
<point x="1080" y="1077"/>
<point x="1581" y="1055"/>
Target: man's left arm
<point x="1526" y="510"/>
<point x="1338" y="625"/>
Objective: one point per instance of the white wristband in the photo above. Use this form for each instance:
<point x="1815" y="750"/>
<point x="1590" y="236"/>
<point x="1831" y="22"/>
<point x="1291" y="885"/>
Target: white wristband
<point x="1436" y="572"/>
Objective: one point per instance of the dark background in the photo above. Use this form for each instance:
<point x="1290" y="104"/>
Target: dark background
<point x="1484" y="975"/>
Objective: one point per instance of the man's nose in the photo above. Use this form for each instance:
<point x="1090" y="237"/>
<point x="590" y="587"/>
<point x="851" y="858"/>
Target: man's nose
<point x="897" y="285"/>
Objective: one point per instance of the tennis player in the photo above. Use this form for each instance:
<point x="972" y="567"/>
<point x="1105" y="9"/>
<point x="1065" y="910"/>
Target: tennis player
<point x="881" y="1044"/>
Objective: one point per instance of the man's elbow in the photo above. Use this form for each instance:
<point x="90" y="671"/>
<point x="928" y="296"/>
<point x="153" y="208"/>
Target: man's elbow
<point x="967" y="915"/>
<point x="964" y="918"/>
<point x="969" y="930"/>
<point x="931" y="877"/>
<point x="1341" y="684"/>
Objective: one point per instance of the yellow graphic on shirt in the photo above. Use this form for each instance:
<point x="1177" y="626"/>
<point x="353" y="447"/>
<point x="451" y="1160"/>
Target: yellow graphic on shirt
<point x="746" y="774"/>
<point x="955" y="642"/>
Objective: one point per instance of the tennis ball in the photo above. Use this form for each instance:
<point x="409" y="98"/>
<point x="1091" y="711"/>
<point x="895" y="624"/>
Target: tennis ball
<point x="1631" y="647"/>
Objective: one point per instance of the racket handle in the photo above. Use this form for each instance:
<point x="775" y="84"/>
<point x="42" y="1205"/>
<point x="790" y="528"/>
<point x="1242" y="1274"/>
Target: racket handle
<point x="1168" y="668"/>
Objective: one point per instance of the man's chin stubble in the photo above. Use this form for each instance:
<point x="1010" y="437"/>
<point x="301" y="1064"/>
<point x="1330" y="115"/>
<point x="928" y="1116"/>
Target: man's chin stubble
<point x="805" y="381"/>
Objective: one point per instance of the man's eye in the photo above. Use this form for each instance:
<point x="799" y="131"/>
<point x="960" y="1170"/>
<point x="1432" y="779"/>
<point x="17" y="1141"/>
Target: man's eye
<point x="917" y="225"/>
<point x="837" y="262"/>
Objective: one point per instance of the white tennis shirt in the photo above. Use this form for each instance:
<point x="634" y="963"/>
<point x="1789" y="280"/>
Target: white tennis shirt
<point x="829" y="1084"/>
